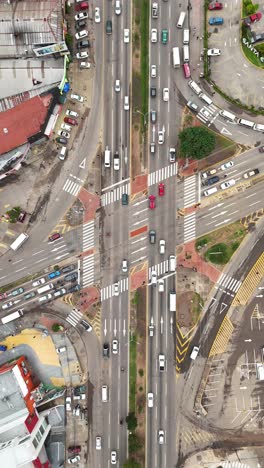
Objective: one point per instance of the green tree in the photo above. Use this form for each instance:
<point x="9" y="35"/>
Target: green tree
<point x="250" y="9"/>
<point x="131" y="421"/>
<point x="132" y="464"/>
<point x="134" y="443"/>
<point x="196" y="142"/>
<point x="56" y="327"/>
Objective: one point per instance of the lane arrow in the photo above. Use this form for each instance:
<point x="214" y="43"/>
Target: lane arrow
<point x="115" y="327"/>
<point x="105" y="329"/>
<point x="161" y="325"/>
<point x="124" y="329"/>
<point x="171" y="325"/>
<point x="83" y="163"/>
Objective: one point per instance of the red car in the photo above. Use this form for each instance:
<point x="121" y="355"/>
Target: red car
<point x="81" y="6"/>
<point x="74" y="449"/>
<point x="161" y="190"/>
<point x="256" y="17"/>
<point x="215" y="6"/>
<point x="70" y="121"/>
<point x="152" y="204"/>
<point x="54" y="236"/>
<point x="3" y="296"/>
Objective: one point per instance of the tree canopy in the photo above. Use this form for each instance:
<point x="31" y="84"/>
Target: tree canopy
<point x="196" y="142"/>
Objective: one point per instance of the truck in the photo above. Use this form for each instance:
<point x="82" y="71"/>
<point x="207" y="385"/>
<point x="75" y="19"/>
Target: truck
<point x="176" y="61"/>
<point x="172" y="301"/>
<point x="155" y="8"/>
<point x="13" y="316"/>
<point x="19" y="241"/>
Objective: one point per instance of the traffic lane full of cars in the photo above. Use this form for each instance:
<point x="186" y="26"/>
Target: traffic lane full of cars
<point x="218" y="175"/>
<point x="43" y="289"/>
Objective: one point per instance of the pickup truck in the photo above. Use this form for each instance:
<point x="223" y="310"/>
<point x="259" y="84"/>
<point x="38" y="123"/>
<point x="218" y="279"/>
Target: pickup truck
<point x="251" y="173"/>
<point x="155" y="10"/>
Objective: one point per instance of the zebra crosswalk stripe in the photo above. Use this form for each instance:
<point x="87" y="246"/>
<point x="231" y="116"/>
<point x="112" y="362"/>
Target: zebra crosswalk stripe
<point x="88" y="236"/>
<point x="71" y="187"/>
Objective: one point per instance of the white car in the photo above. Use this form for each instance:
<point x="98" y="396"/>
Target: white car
<point x="150" y="400"/>
<point x="154" y="277"/>
<point x="115" y="347"/>
<point x="74" y="459"/>
<point x="228" y="184"/>
<point x="126" y="103"/>
<point x="81" y="34"/>
<point x="7" y="305"/>
<point x="205" y="113"/>
<point x="126" y="36"/>
<point x="98" y="443"/>
<point x="161" y="362"/>
<point x="64" y="134"/>
<point x="213" y="52"/>
<point x="117" y="86"/>
<point x="97" y="18"/>
<point x="81" y="16"/>
<point x="85" y="65"/>
<point x="161" y="285"/>
<point x="68" y="403"/>
<point x="71" y="113"/>
<point x="154" y="35"/>
<point x="116" y="289"/>
<point x="113" y="457"/>
<point x="161" y="137"/>
<point x="124" y="265"/>
<point x="82" y="55"/>
<point x="226" y="165"/>
<point x="162" y="246"/>
<point x="38" y="282"/>
<point x="118" y="7"/>
<point x="61" y="349"/>
<point x="161" y="437"/>
<point x="153" y="71"/>
<point x="166" y="95"/>
<point x="77" y="97"/>
<point x="66" y="127"/>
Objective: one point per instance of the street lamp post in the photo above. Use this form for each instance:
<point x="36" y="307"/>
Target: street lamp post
<point x="144" y="116"/>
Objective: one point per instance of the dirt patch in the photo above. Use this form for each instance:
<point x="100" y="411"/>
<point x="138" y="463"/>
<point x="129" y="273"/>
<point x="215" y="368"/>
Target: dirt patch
<point x="136" y="152"/>
<point x="192" y="291"/>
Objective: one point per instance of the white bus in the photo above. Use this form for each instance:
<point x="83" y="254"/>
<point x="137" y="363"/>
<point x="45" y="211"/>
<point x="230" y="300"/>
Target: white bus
<point x="246" y="123"/>
<point x="13" y="316"/>
<point x="227" y="115"/>
<point x="19" y="241"/>
<point x="176" y="57"/>
<point x="172" y="301"/>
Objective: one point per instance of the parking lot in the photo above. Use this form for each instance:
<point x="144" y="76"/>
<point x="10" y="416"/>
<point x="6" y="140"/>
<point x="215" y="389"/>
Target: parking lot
<point x="231" y="71"/>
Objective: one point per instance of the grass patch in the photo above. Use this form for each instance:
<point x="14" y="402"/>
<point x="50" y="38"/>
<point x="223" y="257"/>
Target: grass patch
<point x="196" y="307"/>
<point x="222" y="142"/>
<point x="144" y="35"/>
<point x="132" y="373"/>
<point x="219" y="246"/>
<point x="19" y="282"/>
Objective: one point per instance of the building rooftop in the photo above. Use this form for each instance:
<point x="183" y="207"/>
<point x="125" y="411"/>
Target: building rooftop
<point x="23" y="121"/>
<point x="29" y="23"/>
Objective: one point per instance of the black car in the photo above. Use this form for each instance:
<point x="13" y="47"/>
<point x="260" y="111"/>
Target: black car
<point x="68" y="268"/>
<point x="74" y="288"/>
<point x="80" y="25"/>
<point x="211" y="181"/>
<point x="62" y="140"/>
<point x="83" y="44"/>
<point x="106" y="350"/>
<point x="153" y="91"/>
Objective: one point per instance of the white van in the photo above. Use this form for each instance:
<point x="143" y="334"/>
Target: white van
<point x="194" y="352"/>
<point x="194" y="87"/>
<point x="181" y="19"/>
<point x="186" y="54"/>
<point x="172" y="301"/>
<point x="45" y="298"/>
<point x="104" y="393"/>
<point x="259" y="127"/>
<point x="246" y="123"/>
<point x="126" y="103"/>
<point x="210" y="191"/>
<point x="186" y="36"/>
<point x="45" y="288"/>
<point x="227" y="115"/>
<point x="206" y="99"/>
<point x="62" y="153"/>
<point x="116" y="162"/>
<point x="107" y="157"/>
<point x="172" y="263"/>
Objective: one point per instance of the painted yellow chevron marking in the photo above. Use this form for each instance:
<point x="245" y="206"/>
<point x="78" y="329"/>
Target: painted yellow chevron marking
<point x="250" y="283"/>
<point x="222" y="338"/>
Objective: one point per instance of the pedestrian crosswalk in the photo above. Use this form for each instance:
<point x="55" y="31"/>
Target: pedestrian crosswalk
<point x="226" y="282"/>
<point x="189" y="191"/>
<point x="71" y="187"/>
<point x="108" y="291"/>
<point x="208" y="113"/>
<point x="189" y="227"/>
<point x="74" y="317"/>
<point x="162" y="174"/>
<point x="160" y="268"/>
<point x="115" y="194"/>
<point x="88" y="271"/>
<point x="88" y="236"/>
<point x="234" y="464"/>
